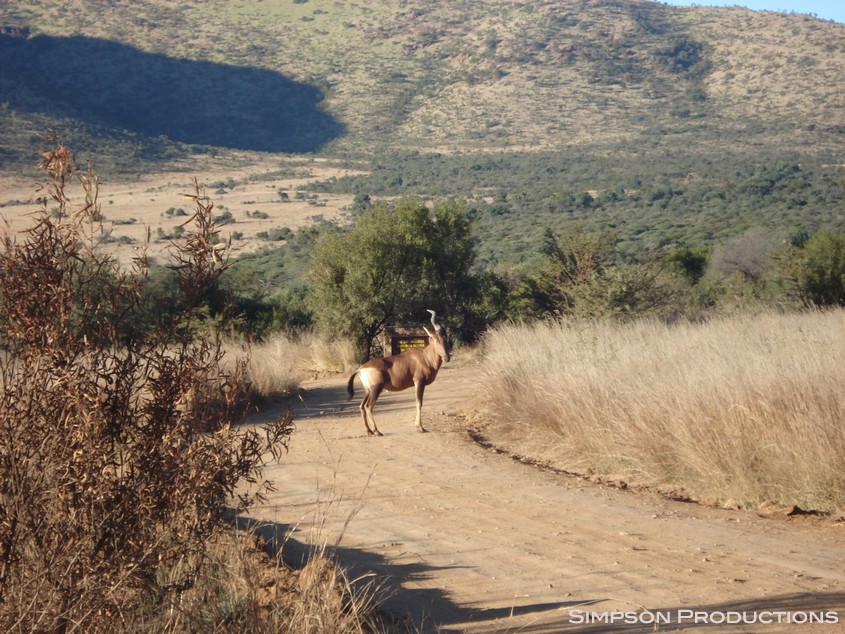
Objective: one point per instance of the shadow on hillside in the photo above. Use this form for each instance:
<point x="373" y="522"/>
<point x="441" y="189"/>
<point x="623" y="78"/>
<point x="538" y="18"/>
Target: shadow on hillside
<point x="106" y="83"/>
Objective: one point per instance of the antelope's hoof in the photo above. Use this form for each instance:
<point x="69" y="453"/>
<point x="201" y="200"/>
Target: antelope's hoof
<point x="378" y="433"/>
<point x="422" y="429"/>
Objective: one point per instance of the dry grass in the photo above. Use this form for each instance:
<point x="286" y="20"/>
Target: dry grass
<point x="277" y="366"/>
<point x="747" y="409"/>
<point x="243" y="588"/>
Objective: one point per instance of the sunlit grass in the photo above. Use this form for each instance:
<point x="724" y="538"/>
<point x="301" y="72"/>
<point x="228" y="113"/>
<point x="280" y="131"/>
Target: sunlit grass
<point x="278" y="365"/>
<point x="748" y="408"/>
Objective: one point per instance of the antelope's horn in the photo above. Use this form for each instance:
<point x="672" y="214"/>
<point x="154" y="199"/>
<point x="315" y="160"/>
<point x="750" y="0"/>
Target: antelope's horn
<point x="433" y="323"/>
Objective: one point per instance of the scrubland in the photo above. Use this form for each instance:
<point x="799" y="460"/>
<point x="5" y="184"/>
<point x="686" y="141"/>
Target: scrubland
<point x="741" y="410"/>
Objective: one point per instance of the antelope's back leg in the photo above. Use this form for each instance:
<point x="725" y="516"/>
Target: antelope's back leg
<point x="367" y="405"/>
<point x="363" y="409"/>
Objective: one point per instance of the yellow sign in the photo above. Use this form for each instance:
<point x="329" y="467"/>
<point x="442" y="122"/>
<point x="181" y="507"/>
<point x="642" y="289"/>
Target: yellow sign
<point x="408" y="343"/>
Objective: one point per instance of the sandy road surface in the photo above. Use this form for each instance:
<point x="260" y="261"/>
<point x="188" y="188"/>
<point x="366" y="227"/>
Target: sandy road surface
<point x="470" y="540"/>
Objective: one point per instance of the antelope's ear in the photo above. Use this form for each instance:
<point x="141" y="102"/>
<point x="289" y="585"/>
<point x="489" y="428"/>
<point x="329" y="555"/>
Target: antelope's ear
<point x="430" y="336"/>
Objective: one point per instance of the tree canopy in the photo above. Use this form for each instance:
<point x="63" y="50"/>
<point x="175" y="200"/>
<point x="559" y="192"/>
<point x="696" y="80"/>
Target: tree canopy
<point x="397" y="260"/>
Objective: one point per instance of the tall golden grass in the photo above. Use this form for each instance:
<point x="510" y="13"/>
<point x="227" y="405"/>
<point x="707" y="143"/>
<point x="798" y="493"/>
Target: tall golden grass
<point x="277" y="366"/>
<point x="749" y="409"/>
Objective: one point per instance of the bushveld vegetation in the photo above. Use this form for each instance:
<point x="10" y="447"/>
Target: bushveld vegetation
<point x="120" y="452"/>
<point x="394" y="258"/>
<point x="578" y="161"/>
<point x="647" y="202"/>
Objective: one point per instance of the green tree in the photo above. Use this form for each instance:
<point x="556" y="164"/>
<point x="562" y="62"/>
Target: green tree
<point x="821" y="269"/>
<point x="397" y="260"/>
<point x="454" y="287"/>
<point x="690" y="262"/>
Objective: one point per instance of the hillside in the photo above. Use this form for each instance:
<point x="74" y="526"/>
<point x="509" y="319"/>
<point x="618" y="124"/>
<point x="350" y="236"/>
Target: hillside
<point x="310" y="75"/>
<point x="663" y="123"/>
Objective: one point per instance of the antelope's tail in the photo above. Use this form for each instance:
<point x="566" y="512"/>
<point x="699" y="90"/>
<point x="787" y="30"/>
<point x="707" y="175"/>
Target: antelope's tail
<point x="350" y="387"/>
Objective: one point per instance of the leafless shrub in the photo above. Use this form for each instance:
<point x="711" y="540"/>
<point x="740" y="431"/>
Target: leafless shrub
<point x="117" y="450"/>
<point x="749" y="254"/>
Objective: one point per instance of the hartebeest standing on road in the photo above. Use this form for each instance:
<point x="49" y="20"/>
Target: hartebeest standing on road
<point x="417" y="367"/>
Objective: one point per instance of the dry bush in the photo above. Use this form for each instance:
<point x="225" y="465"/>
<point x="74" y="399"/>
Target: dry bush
<point x="745" y="408"/>
<point x="117" y="450"/>
<point x="244" y="589"/>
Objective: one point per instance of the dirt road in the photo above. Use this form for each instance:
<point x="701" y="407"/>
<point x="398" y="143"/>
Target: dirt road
<point x="471" y="540"/>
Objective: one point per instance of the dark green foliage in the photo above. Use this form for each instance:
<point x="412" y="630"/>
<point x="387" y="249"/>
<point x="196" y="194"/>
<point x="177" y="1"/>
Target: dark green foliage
<point x="250" y="305"/>
<point x="821" y="269"/>
<point x="273" y="282"/>
<point x="581" y="276"/>
<point x="685" y="56"/>
<point x="649" y="202"/>
<point x="691" y="262"/>
<point x="396" y="261"/>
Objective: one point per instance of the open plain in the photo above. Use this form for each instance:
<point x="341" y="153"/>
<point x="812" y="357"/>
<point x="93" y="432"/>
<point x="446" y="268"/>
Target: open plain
<point x="247" y="201"/>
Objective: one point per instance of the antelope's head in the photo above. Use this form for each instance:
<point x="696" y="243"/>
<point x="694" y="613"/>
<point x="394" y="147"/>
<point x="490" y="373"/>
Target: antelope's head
<point x="437" y="338"/>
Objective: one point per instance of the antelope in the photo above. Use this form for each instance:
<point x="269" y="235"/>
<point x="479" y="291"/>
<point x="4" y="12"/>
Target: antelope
<point x="417" y="367"/>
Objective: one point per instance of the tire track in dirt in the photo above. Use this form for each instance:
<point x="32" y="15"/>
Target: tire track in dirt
<point x="470" y="540"/>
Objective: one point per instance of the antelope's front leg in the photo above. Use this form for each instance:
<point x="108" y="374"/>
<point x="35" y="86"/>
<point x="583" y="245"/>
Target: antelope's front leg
<point x="420" y="388"/>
